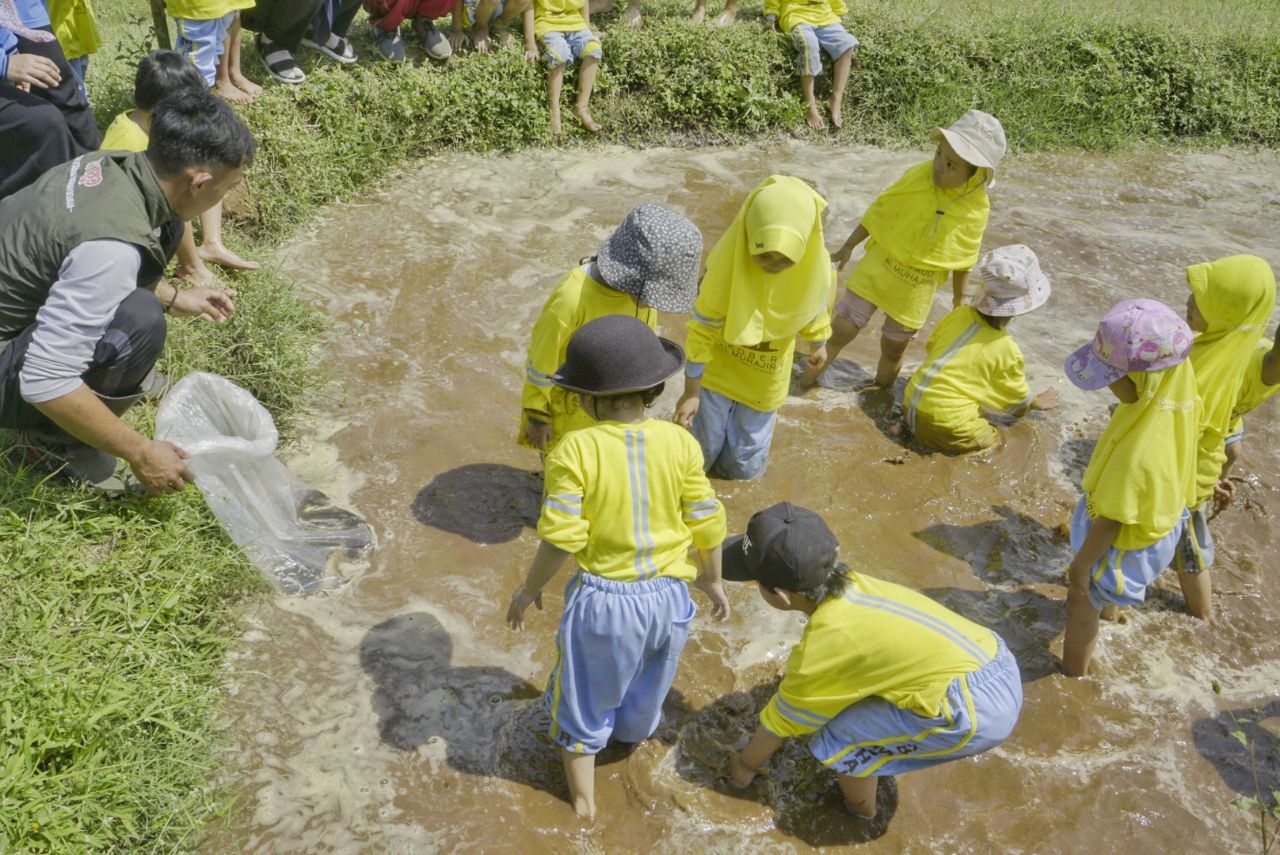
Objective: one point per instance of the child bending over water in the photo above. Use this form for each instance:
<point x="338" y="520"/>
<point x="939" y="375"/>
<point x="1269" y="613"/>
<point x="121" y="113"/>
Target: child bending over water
<point x="926" y="225"/>
<point x="626" y="498"/>
<point x="973" y="363"/>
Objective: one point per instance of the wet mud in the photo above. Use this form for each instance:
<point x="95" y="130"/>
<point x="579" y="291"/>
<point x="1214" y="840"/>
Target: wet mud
<point x="400" y="715"/>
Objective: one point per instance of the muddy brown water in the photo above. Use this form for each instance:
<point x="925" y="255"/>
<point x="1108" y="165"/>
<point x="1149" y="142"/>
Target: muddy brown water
<point x="399" y="714"/>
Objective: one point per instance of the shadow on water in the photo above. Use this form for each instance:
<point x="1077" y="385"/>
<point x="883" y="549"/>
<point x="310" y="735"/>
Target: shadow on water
<point x="1251" y="770"/>
<point x="1013" y="548"/>
<point x="484" y="502"/>
<point x="489" y="719"/>
<point x="1027" y="621"/>
<point x="802" y="793"/>
<point x="1074" y="456"/>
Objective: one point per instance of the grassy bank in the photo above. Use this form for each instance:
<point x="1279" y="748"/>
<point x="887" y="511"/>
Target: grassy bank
<point x="115" y="617"/>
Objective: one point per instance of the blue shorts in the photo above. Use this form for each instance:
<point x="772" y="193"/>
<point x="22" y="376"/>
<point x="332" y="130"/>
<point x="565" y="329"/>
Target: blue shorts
<point x="1195" y="547"/>
<point x="567" y="48"/>
<point x="1121" y="577"/>
<point x="617" y="651"/>
<point x="202" y="42"/>
<point x="810" y="41"/>
<point x="735" y="438"/>
<point x="875" y="737"/>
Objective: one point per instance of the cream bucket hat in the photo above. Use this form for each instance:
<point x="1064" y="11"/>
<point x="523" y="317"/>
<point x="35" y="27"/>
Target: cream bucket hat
<point x="977" y="137"/>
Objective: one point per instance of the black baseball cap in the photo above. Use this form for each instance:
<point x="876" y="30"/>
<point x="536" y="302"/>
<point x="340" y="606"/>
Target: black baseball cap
<point x="785" y="546"/>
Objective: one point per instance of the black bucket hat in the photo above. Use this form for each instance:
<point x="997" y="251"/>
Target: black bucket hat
<point x="615" y="355"/>
<point x="785" y="546"/>
<point x="655" y="256"/>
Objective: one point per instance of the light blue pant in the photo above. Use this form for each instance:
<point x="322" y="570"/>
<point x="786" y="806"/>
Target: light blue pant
<point x="202" y="42"/>
<point x="735" y="438"/>
<point x="875" y="737"/>
<point x="617" y="651"/>
<point x="1121" y="576"/>
<point x="811" y="41"/>
<point x="80" y="67"/>
<point x="568" y="48"/>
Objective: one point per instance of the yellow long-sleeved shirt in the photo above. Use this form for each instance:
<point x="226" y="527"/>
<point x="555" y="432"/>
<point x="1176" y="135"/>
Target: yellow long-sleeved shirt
<point x="877" y="639"/>
<point x="74" y="25"/>
<point x="758" y="376"/>
<point x="558" y="16"/>
<point x="576" y="300"/>
<point x="819" y="13"/>
<point x="969" y="366"/>
<point x="124" y="134"/>
<point x="1253" y="392"/>
<point x="628" y="500"/>
<point x="205" y="10"/>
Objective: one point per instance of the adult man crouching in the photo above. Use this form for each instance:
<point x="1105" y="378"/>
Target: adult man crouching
<point x="82" y="253"/>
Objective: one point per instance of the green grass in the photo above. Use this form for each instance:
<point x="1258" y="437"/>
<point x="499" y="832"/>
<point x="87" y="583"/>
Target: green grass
<point x="115" y="616"/>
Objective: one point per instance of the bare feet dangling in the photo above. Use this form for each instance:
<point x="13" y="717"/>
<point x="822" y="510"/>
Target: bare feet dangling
<point x="584" y="119"/>
<point x="223" y="257"/>
<point x="837" y="114"/>
<point x="813" y="118"/>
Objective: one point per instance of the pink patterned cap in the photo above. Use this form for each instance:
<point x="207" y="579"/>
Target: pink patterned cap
<point x="1135" y="335"/>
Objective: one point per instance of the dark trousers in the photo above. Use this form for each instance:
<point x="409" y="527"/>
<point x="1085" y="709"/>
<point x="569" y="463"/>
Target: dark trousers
<point x="125" y="354"/>
<point x="335" y="16"/>
<point x="284" y="22"/>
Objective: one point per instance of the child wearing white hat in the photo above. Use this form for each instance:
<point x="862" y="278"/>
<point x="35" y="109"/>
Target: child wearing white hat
<point x="973" y="364"/>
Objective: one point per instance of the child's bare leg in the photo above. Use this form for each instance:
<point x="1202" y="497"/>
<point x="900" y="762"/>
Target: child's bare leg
<point x="631" y="17"/>
<point x="238" y="80"/>
<point x="586" y="82"/>
<point x="812" y="117"/>
<point x="510" y="12"/>
<point x="729" y="15"/>
<point x="190" y="266"/>
<point x="598" y="7"/>
<point x="212" y="249"/>
<point x="222" y="77"/>
<point x="580" y="772"/>
<point x="1197" y="590"/>
<point x="1082" y="633"/>
<point x="555" y="82"/>
<point x="480" y="29"/>
<point x="891" y="355"/>
<point x="699" y="12"/>
<point x="859" y="794"/>
<point x="843" y="331"/>
<point x="839" y="78"/>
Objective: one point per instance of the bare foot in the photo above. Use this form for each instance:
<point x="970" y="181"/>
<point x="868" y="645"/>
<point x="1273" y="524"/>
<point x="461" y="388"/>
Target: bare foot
<point x="480" y="38"/>
<point x="1116" y="614"/>
<point x="245" y="85"/>
<point x="197" y="275"/>
<point x="727" y="17"/>
<point x="598" y="7"/>
<point x="837" y="114"/>
<point x="699" y="15"/>
<point x="813" y="118"/>
<point x="584" y="119"/>
<point x="232" y="93"/>
<point x="220" y="255"/>
<point x="631" y="17"/>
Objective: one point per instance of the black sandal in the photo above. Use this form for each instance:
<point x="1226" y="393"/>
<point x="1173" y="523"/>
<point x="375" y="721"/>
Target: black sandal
<point x="278" y="62"/>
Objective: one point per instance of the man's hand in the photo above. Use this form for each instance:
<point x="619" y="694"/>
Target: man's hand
<point x="687" y="408"/>
<point x="739" y="773"/>
<point x="160" y="468"/>
<point x="520" y="601"/>
<point x="27" y="70"/>
<point x="537" y="433"/>
<point x="208" y="304"/>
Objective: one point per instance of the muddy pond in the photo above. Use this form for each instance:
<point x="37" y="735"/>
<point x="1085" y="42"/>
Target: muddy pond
<point x="398" y="714"/>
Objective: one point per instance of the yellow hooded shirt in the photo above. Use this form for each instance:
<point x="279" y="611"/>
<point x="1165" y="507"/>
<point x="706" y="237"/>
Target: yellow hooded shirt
<point x="745" y="320"/>
<point x="1236" y="296"/>
<point x="1253" y="392"/>
<point x="1142" y="472"/>
<point x="918" y="234"/>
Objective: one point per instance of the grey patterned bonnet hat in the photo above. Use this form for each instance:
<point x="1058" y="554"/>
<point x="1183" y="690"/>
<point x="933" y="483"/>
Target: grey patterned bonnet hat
<point x="655" y="256"/>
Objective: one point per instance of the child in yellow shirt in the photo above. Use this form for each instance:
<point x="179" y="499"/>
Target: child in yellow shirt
<point x="814" y="26"/>
<point x="563" y="31"/>
<point x="1261" y="381"/>
<point x="648" y="265"/>
<point x="925" y="226"/>
<point x="626" y="498"/>
<point x="884" y="680"/>
<point x="1142" y="474"/>
<point x="768" y="281"/>
<point x="973" y="364"/>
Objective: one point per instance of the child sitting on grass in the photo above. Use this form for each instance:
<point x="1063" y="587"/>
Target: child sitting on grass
<point x="648" y="265"/>
<point x="926" y="225"/>
<point x="814" y="26"/>
<point x="1142" y="474"/>
<point x="973" y="364"/>
<point x="563" y="28"/>
<point x="160" y="74"/>
<point x="627" y="499"/>
<point x="1229" y="307"/>
<point x="884" y="680"/>
<point x="1261" y="381"/>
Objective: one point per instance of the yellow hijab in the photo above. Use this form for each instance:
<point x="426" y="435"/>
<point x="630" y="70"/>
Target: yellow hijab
<point x="923" y="226"/>
<point x="1236" y="295"/>
<point x="783" y="214"/>
<point x="1143" y="470"/>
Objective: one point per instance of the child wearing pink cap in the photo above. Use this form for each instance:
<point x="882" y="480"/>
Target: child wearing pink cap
<point x="1142" y="475"/>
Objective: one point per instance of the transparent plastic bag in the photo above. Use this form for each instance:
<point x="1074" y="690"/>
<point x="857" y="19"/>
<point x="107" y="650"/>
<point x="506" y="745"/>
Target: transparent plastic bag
<point x="291" y="531"/>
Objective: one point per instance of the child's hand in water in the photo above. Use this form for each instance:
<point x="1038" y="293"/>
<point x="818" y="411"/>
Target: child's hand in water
<point x="1223" y="492"/>
<point x="520" y="601"/>
<point x="1049" y="399"/>
<point x="537" y="434"/>
<point x="740" y="775"/>
<point x="715" y="593"/>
